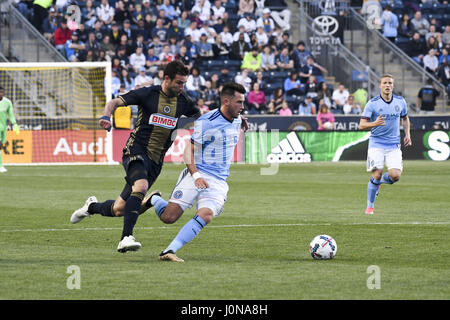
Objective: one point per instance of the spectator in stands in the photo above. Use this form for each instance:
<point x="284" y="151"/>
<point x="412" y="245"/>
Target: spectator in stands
<point x="220" y="49"/>
<point x="420" y="24"/>
<point x="390" y="23"/>
<point x="165" y="21"/>
<point x="307" y="107"/>
<point x="193" y="31"/>
<point x="209" y="31"/>
<point x="246" y="6"/>
<point x="286" y="43"/>
<point x="237" y="34"/>
<point x="184" y="57"/>
<point x="260" y="79"/>
<point x="183" y="20"/>
<point x="224" y="76"/>
<point x="256" y="100"/>
<point x="292" y="85"/>
<point x="121" y="13"/>
<point x="169" y="9"/>
<point x="208" y="94"/>
<point x="126" y="80"/>
<point x="105" y="13"/>
<point x="312" y="87"/>
<point x="300" y="55"/>
<point x="83" y="34"/>
<point x="152" y="61"/>
<point x="126" y="29"/>
<point x="174" y="44"/>
<point x="202" y="106"/>
<point x="142" y="79"/>
<point x="99" y="32"/>
<point x="340" y="96"/>
<point x="61" y="36"/>
<point x="243" y="79"/>
<point x="107" y="47"/>
<point x="252" y="60"/>
<point x="156" y="45"/>
<point x="285" y="110"/>
<point x="203" y="8"/>
<point x="92" y="44"/>
<point x="159" y="77"/>
<point x="166" y="56"/>
<point x="138" y="13"/>
<point x="416" y="48"/>
<point x="312" y="68"/>
<point x="324" y="93"/>
<point x="137" y="59"/>
<point x="444" y="56"/>
<point x="50" y="24"/>
<point x="351" y="107"/>
<point x="443" y="75"/>
<point x="75" y="49"/>
<point x="124" y="44"/>
<point x="325" y="119"/>
<point x="430" y="61"/>
<point x="89" y="15"/>
<point x="277" y="101"/>
<point x="405" y="28"/>
<point x="248" y="22"/>
<point x="432" y="32"/>
<point x="266" y="22"/>
<point x="149" y="22"/>
<point x="204" y="48"/>
<point x="114" y="34"/>
<point x="268" y="59"/>
<point x="217" y="10"/>
<point x="175" y="31"/>
<point x="239" y="48"/>
<point x="446" y="35"/>
<point x="40" y="13"/>
<point x="284" y="60"/>
<point x="194" y="83"/>
<point x="161" y="31"/>
<point x="226" y="36"/>
<point x="432" y="44"/>
<point x="426" y="98"/>
<point x="261" y="37"/>
<point x="121" y="53"/>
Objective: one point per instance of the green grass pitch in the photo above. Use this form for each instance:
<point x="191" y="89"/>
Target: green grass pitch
<point x="257" y="248"/>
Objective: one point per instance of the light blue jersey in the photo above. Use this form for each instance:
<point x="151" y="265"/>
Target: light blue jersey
<point x="218" y="137"/>
<point x="387" y="136"/>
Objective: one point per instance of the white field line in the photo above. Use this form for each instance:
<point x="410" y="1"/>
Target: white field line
<point x="231" y="226"/>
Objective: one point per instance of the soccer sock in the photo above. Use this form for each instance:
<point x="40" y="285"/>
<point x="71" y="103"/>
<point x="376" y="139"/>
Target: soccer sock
<point x="131" y="213"/>
<point x="159" y="203"/>
<point x="386" y="179"/>
<point x="189" y="231"/>
<point x="103" y="208"/>
<point x="372" y="188"/>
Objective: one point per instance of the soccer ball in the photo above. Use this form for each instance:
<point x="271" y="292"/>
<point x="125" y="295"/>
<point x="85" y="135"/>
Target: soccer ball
<point x="323" y="247"/>
<point x="328" y="125"/>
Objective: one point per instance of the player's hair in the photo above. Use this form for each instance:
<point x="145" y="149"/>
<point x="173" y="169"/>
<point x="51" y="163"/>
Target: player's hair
<point x="387" y="75"/>
<point x="230" y="88"/>
<point x="175" y="67"/>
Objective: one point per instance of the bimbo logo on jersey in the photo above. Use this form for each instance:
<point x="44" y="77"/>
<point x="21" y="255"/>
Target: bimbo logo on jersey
<point x="163" y="121"/>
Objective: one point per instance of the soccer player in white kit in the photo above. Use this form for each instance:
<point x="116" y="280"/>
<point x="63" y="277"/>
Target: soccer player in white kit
<point x="382" y="116"/>
<point x="208" y="159"/>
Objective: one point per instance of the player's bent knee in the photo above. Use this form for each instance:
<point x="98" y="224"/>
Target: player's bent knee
<point x="206" y="214"/>
<point x="140" y="186"/>
<point x="171" y="214"/>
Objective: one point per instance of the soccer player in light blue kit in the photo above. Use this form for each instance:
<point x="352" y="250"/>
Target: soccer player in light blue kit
<point x="382" y="116"/>
<point x="208" y="159"/>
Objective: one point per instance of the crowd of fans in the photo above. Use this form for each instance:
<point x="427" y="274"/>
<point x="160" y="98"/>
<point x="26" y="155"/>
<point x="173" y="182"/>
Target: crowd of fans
<point x="421" y="28"/>
<point x="247" y="41"/>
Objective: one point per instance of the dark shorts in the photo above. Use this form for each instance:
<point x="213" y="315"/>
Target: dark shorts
<point x="137" y="167"/>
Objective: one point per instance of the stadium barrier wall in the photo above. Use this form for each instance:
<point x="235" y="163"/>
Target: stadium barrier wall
<point x="255" y="147"/>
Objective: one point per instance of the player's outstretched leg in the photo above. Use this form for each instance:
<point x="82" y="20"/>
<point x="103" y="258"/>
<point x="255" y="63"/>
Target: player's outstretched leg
<point x="372" y="189"/>
<point x="187" y="233"/>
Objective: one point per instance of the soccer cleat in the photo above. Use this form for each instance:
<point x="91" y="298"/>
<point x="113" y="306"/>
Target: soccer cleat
<point x="128" y="243"/>
<point x="3" y="169"/>
<point x="146" y="202"/>
<point x="369" y="211"/>
<point x="82" y="213"/>
<point x="169" y="256"/>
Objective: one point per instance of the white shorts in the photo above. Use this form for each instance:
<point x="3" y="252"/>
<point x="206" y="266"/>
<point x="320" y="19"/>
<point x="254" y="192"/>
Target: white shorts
<point x="185" y="193"/>
<point x="377" y="158"/>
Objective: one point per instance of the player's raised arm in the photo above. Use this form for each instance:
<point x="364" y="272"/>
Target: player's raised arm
<point x="105" y="120"/>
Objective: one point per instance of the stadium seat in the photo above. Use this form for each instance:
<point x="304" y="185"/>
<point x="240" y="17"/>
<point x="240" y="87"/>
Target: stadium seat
<point x="426" y="8"/>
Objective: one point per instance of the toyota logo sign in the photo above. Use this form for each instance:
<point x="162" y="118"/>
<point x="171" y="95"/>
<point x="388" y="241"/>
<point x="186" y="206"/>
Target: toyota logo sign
<point x="325" y="25"/>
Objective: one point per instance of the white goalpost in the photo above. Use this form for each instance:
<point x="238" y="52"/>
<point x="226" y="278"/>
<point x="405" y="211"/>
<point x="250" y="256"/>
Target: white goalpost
<point x="57" y="107"/>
